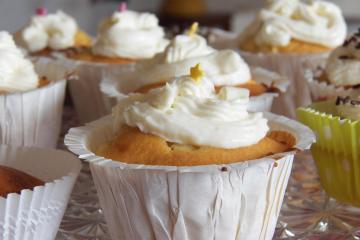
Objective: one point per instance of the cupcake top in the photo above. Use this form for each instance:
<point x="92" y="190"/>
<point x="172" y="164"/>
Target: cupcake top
<point x="130" y="34"/>
<point x="316" y="22"/>
<point x="348" y="107"/>
<point x="187" y="110"/>
<point x="343" y="65"/>
<point x="56" y="31"/>
<point x="224" y="67"/>
<point x="16" y="72"/>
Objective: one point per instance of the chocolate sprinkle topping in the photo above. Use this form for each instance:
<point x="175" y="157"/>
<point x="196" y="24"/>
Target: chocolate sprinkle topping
<point x="345" y="57"/>
<point x="347" y="100"/>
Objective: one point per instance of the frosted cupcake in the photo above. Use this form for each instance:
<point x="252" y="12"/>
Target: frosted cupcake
<point x="336" y="153"/>
<point x="182" y="151"/>
<point x="340" y="76"/>
<point x="285" y="34"/>
<point x="123" y="38"/>
<point x="223" y="68"/>
<point x="31" y="98"/>
<point x="35" y="187"/>
<point x="49" y="33"/>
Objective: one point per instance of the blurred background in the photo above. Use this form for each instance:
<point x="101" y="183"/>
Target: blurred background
<point x="228" y="14"/>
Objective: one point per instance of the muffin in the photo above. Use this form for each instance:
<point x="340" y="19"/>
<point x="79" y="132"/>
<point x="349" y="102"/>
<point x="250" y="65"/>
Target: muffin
<point x="224" y="68"/>
<point x="35" y="187"/>
<point x="184" y="138"/>
<point x="340" y="76"/>
<point x="31" y="98"/>
<point x="284" y="35"/>
<point x="336" y="152"/>
<point x="14" y="181"/>
<point x="123" y="38"/>
<point x="49" y="33"/>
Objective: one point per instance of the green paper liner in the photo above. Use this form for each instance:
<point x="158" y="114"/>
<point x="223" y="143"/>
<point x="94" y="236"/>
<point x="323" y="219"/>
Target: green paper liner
<point x="336" y="152"/>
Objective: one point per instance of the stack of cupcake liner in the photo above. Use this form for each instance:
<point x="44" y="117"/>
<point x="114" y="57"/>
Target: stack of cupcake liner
<point x="336" y="152"/>
<point x="36" y="214"/>
<point x="232" y="201"/>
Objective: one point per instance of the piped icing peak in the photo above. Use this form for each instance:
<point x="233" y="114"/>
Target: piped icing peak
<point x="55" y="31"/>
<point x="191" y="112"/>
<point x="16" y="72"/>
<point x="130" y="34"/>
<point x="318" y="22"/>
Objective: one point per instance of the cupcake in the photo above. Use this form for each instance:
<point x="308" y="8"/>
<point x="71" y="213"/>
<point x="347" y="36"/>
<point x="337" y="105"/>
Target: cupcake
<point x="223" y="68"/>
<point x="46" y="34"/>
<point x="123" y="38"/>
<point x="340" y="76"/>
<point x="336" y="153"/>
<point x="186" y="162"/>
<point x="31" y="98"/>
<point x="284" y="35"/>
<point x="35" y="187"/>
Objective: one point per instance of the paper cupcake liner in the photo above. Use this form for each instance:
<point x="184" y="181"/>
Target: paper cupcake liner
<point x="33" y="118"/>
<point x="336" y="152"/>
<point x="117" y="85"/>
<point x="291" y="66"/>
<point x="36" y="214"/>
<point x="85" y="90"/>
<point x="233" y="201"/>
<point x="324" y="91"/>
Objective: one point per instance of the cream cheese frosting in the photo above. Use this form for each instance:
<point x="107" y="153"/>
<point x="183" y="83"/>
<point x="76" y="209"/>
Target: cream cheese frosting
<point x="16" y="72"/>
<point x="189" y="112"/>
<point x="130" y="34"/>
<point x="317" y="22"/>
<point x="224" y="67"/>
<point x="55" y="31"/>
<point x="343" y="65"/>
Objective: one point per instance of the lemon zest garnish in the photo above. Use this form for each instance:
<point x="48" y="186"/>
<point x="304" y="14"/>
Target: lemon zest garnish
<point x="193" y="29"/>
<point x="197" y="73"/>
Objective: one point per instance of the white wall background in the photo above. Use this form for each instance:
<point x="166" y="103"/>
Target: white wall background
<point x="15" y="13"/>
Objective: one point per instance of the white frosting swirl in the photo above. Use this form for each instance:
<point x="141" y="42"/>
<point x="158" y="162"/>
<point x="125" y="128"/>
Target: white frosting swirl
<point x="131" y="35"/>
<point x="343" y="66"/>
<point x="16" y="72"/>
<point x="318" y="22"/>
<point x="224" y="67"/>
<point x="56" y="31"/>
<point x="189" y="112"/>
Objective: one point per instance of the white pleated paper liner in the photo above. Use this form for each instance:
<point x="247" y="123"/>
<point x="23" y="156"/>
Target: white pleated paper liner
<point x="36" y="214"/>
<point x="85" y="90"/>
<point x="33" y="118"/>
<point x="116" y="86"/>
<point x="321" y="90"/>
<point x="234" y="201"/>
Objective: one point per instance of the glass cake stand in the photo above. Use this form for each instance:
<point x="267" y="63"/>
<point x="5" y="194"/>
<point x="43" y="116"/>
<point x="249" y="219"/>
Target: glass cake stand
<point x="307" y="212"/>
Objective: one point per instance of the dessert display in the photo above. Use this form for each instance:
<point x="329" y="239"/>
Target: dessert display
<point x="160" y="147"/>
<point x="31" y="97"/>
<point x="35" y="187"/>
<point x="124" y="37"/>
<point x="336" y="123"/>
<point x="223" y="68"/>
<point x="340" y="76"/>
<point x="13" y="181"/>
<point x="17" y="74"/>
<point x="295" y="26"/>
<point x="48" y="33"/>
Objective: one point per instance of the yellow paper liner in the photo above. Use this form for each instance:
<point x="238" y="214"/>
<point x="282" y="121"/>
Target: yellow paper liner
<point x="336" y="152"/>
